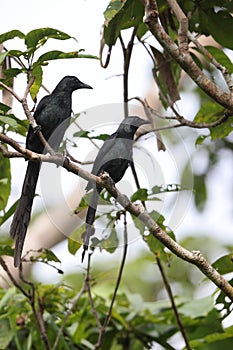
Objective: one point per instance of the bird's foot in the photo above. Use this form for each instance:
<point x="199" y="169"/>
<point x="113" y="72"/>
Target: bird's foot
<point x="37" y="129"/>
<point x="62" y="159"/>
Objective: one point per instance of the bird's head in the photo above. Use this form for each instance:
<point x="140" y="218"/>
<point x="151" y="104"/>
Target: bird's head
<point x="70" y="83"/>
<point x="131" y="124"/>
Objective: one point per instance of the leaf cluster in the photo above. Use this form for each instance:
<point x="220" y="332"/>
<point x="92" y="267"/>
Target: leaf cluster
<point x="134" y="321"/>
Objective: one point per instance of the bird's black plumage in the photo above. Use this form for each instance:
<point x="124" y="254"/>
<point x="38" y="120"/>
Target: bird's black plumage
<point x="53" y="116"/>
<point x="114" y="157"/>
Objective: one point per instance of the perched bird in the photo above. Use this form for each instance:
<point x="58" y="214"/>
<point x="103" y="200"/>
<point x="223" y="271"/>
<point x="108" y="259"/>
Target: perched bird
<point x="114" y="157"/>
<point x="53" y="117"/>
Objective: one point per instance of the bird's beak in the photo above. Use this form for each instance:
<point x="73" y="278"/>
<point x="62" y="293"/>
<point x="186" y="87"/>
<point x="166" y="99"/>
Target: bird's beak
<point x="144" y="122"/>
<point x="85" y="86"/>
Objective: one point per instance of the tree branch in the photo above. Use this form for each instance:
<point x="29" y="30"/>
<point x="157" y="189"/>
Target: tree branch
<point x="183" y="25"/>
<point x="27" y="112"/>
<point x="184" y="58"/>
<point x="193" y="257"/>
<point x="11" y="91"/>
<point x="182" y="121"/>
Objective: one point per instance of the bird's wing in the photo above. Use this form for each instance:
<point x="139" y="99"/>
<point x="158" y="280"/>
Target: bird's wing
<point x="41" y="105"/>
<point x="104" y="153"/>
<point x="113" y="157"/>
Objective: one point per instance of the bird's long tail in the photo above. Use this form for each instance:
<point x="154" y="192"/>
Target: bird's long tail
<point x="90" y="218"/>
<point x="22" y="214"/>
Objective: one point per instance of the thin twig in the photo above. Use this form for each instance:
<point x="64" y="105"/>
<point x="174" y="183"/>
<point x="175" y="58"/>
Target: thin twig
<point x="7" y="270"/>
<point x="11" y="91"/>
<point x="76" y="160"/>
<point x="182" y="121"/>
<point x="68" y="313"/>
<point x="9" y="154"/>
<point x="27" y="112"/>
<point x="172" y="300"/>
<point x="91" y="140"/>
<point x="88" y="289"/>
<point x="118" y="281"/>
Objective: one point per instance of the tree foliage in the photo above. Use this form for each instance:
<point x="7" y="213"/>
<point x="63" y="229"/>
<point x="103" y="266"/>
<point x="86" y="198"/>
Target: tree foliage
<point x="35" y="316"/>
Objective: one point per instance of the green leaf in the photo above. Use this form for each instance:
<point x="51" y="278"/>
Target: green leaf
<point x="11" y="35"/>
<point x="37" y="73"/>
<point x="166" y="188"/>
<point x="220" y="32"/>
<point x="75" y="239"/>
<point x="15" y="124"/>
<point x="41" y="35"/>
<point x="200" y="191"/>
<point x="2" y="57"/>
<point x="214" y="341"/>
<point x="47" y="255"/>
<point x="222" y="130"/>
<point x="84" y="202"/>
<point x="55" y="55"/>
<point x="22" y="125"/>
<point x="5" y="181"/>
<point x="110" y="243"/>
<point x="197" y="308"/>
<point x="6" y="250"/>
<point x="200" y="139"/>
<point x="6" y="333"/>
<point x="8" y="214"/>
<point x="224" y="304"/>
<point x="102" y="137"/>
<point x="4" y="108"/>
<point x="224" y="264"/>
<point x="6" y="299"/>
<point x="211" y="112"/>
<point x="207" y="113"/>
<point x="122" y="15"/>
<point x="154" y="244"/>
<point x="221" y="57"/>
<point x="16" y="53"/>
<point x="9" y="120"/>
<point x="85" y="134"/>
<point x="12" y="72"/>
<point x="81" y="133"/>
<point x="141" y="194"/>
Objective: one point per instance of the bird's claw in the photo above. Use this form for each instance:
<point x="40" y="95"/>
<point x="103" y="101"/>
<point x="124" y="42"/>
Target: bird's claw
<point x="37" y="129"/>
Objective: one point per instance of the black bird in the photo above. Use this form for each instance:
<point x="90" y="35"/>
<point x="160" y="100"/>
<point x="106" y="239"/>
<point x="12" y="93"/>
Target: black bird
<point x="53" y="117"/>
<point x="114" y="157"/>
